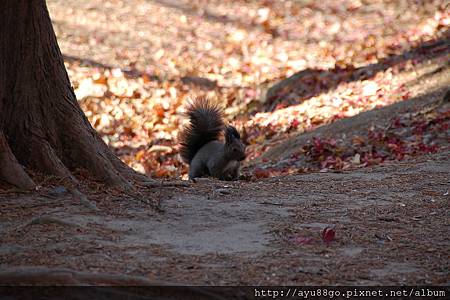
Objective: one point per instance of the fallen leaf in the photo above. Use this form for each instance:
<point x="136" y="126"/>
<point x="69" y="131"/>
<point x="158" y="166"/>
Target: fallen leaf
<point x="261" y="173"/>
<point x="328" y="234"/>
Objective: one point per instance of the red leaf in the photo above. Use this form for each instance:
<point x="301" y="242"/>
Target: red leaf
<point x="295" y="123"/>
<point x="328" y="234"/>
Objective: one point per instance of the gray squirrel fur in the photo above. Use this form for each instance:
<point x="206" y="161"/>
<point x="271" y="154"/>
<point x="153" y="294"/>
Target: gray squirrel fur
<point x="201" y="145"/>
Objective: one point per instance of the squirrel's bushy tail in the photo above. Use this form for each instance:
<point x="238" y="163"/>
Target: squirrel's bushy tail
<point x="206" y="124"/>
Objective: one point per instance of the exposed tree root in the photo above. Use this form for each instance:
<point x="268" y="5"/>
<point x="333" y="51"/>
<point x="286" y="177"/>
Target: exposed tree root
<point x="174" y="183"/>
<point x="83" y="199"/>
<point x="46" y="160"/>
<point x="10" y="169"/>
<point x="42" y="220"/>
<point x="58" y="276"/>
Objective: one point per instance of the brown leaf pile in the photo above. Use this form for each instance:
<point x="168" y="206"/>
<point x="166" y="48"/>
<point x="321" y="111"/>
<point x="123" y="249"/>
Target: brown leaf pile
<point x="134" y="64"/>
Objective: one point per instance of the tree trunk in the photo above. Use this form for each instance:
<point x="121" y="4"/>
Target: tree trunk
<point x="42" y="127"/>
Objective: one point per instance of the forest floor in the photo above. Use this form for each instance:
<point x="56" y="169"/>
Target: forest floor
<point x="390" y="221"/>
<point x="391" y="225"/>
<point x="388" y="210"/>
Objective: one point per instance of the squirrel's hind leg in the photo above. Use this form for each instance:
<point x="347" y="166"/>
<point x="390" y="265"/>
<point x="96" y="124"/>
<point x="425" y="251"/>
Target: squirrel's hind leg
<point x="197" y="169"/>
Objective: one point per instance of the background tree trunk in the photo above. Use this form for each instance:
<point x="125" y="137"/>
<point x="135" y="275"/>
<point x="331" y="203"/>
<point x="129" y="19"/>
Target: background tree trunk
<point x="42" y="127"/>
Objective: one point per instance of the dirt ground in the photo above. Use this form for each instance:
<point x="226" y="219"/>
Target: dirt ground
<point x="391" y="226"/>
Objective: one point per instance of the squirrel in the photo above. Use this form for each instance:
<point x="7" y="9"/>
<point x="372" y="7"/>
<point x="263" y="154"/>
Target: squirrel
<point x="201" y="146"/>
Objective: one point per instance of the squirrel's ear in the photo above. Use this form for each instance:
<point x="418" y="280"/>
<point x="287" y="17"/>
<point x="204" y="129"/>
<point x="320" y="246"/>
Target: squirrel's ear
<point x="231" y="133"/>
<point x="228" y="136"/>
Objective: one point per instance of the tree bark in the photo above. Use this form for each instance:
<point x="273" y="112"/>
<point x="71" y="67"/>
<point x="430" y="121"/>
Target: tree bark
<point x="42" y="127"/>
